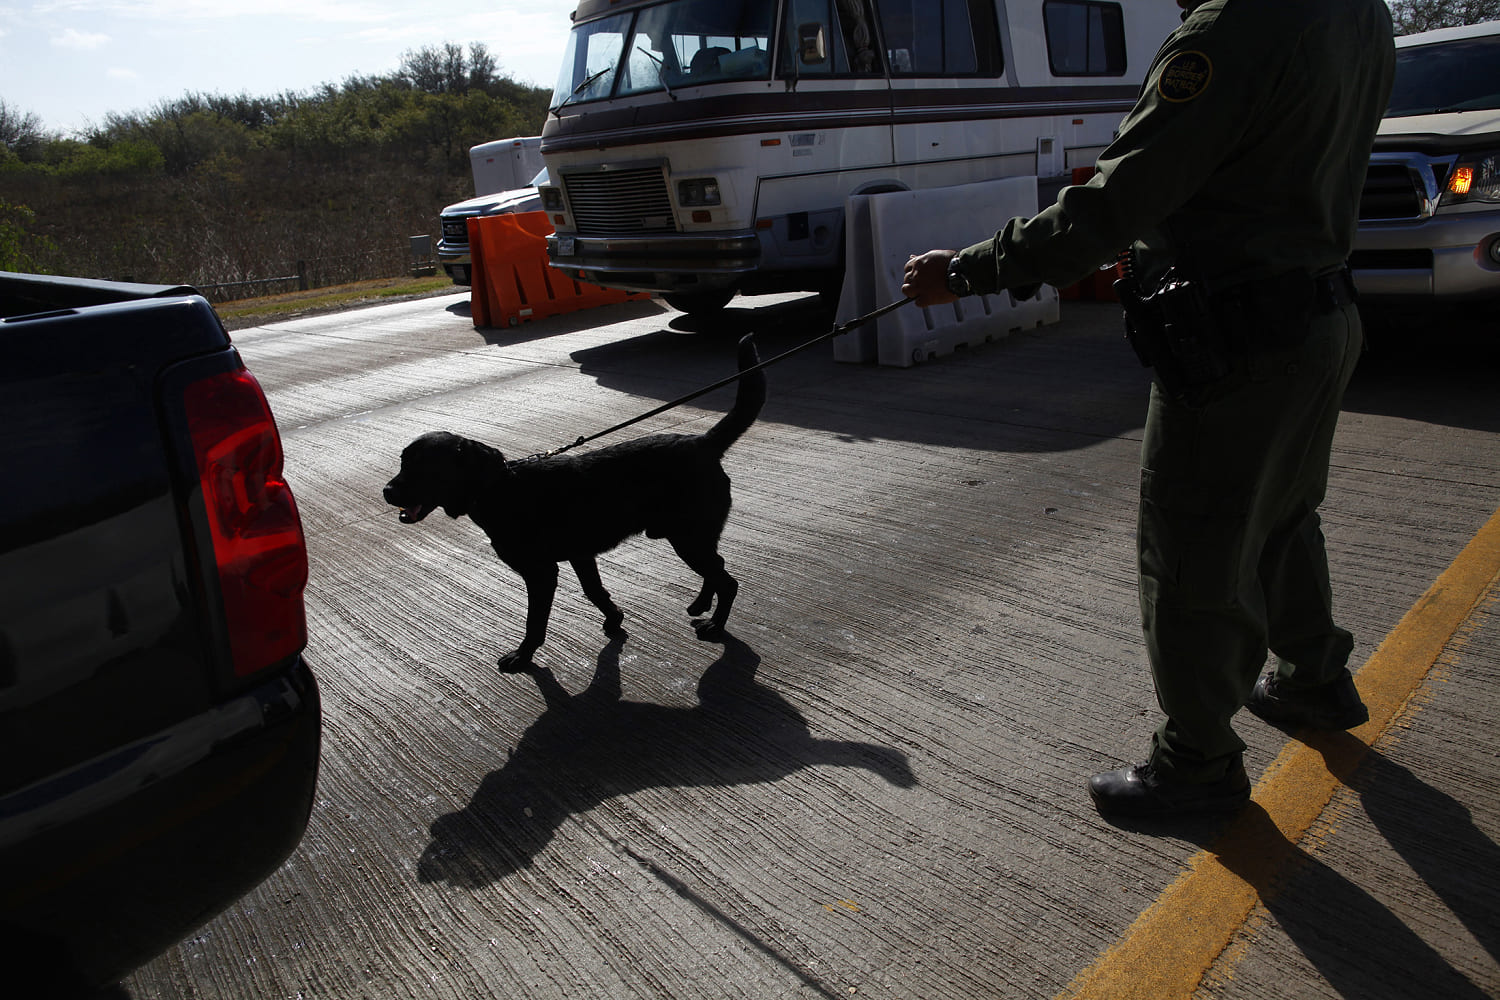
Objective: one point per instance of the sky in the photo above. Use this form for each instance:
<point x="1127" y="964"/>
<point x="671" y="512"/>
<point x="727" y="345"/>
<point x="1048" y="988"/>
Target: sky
<point x="71" y="62"/>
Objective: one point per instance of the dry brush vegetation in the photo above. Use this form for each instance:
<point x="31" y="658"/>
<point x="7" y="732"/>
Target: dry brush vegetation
<point x="212" y="190"/>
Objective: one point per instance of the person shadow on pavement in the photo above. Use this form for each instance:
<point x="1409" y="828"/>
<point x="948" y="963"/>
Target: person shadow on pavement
<point x="592" y="746"/>
<point x="1356" y="942"/>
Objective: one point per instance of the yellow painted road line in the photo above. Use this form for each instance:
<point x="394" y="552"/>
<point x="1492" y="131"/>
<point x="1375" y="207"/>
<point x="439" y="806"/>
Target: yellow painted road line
<point x="1166" y="952"/>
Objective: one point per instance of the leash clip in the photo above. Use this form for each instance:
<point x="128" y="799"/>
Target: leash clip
<point x="555" y="451"/>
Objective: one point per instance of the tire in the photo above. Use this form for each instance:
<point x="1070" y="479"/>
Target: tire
<point x="700" y="303"/>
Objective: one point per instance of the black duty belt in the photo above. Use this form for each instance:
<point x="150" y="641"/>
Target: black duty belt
<point x="1292" y="292"/>
<point x="1273" y="313"/>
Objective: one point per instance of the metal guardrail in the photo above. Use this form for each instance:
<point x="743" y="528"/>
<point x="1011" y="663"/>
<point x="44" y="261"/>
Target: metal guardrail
<point x="218" y="288"/>
<point x="320" y="272"/>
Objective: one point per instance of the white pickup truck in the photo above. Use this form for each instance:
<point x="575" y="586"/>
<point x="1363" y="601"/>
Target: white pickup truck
<point x="506" y="173"/>
<point x="1429" y="229"/>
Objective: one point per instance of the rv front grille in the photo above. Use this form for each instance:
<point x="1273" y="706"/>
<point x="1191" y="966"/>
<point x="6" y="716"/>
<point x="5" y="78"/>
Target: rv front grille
<point x="1392" y="191"/>
<point x="620" y="202"/>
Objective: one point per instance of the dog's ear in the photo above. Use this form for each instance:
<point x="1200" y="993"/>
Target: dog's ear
<point x="480" y="462"/>
<point x="479" y="467"/>
<point x="492" y="471"/>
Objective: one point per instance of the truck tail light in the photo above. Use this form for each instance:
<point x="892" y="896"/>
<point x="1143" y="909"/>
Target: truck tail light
<point x="259" y="549"/>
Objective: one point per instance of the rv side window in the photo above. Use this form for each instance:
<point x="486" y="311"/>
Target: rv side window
<point x="822" y="38"/>
<point x="943" y="38"/>
<point x="1085" y="38"/>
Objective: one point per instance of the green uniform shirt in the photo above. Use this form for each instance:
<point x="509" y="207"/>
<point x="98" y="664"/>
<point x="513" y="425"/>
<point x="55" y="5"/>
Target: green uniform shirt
<point x="1243" y="157"/>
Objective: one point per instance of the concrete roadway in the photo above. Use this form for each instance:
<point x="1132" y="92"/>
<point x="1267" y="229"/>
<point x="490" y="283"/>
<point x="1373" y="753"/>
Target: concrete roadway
<point x="875" y="786"/>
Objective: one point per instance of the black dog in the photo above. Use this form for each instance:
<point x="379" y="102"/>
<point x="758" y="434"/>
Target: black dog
<point x="542" y="511"/>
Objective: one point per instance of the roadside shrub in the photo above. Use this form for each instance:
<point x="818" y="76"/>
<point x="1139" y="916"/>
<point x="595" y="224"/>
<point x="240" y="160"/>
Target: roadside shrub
<point x="209" y="189"/>
<point x="16" y="244"/>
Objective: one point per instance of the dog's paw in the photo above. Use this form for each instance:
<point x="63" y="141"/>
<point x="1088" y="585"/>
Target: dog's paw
<point x="614" y="625"/>
<point x="708" y="630"/>
<point x="700" y="606"/>
<point x="514" y="663"/>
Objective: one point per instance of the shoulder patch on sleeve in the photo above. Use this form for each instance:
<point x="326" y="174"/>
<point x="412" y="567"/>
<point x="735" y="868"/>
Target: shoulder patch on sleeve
<point x="1184" y="77"/>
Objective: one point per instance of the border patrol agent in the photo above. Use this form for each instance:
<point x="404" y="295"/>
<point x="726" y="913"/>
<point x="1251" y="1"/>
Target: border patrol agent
<point x="1237" y="175"/>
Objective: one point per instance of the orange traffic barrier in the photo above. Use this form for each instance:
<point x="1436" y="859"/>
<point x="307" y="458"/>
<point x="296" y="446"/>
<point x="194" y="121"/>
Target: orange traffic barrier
<point x="479" y="308"/>
<point x="512" y="280"/>
<point x="1102" y="284"/>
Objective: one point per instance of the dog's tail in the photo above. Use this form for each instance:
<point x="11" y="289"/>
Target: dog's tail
<point x="748" y="401"/>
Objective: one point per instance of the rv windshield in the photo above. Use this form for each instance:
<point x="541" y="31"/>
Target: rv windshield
<point x="666" y="46"/>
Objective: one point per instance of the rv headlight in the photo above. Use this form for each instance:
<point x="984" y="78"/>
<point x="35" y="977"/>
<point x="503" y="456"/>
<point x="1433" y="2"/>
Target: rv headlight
<point x="551" y="198"/>
<point x="1475" y="177"/>
<point x="698" y="192"/>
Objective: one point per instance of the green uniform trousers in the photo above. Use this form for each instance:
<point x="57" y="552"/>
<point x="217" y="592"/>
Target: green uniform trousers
<point x="1231" y="555"/>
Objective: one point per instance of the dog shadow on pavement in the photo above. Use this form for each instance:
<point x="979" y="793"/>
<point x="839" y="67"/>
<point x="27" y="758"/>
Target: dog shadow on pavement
<point x="592" y="746"/>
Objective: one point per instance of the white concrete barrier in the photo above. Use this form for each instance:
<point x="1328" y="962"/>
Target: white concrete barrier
<point x="883" y="230"/>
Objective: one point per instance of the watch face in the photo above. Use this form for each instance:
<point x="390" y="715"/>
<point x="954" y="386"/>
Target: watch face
<point x="957" y="283"/>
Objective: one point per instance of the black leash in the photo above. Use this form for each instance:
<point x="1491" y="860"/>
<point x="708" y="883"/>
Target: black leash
<point x="837" y="331"/>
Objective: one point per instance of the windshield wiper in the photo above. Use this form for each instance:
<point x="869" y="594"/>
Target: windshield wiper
<point x="583" y="85"/>
<point x="661" y="71"/>
<point x="1451" y="109"/>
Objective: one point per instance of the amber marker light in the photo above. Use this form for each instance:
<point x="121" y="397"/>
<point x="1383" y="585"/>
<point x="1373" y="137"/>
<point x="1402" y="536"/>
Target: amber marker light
<point x="1462" y="178"/>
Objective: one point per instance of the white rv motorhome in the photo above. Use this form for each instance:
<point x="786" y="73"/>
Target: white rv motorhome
<point x="700" y="148"/>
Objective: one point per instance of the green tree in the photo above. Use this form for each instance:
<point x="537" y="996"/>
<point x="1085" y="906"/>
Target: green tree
<point x="187" y="131"/>
<point x="21" y="132"/>
<point x="14" y="239"/>
<point x="483" y="69"/>
<point x="445" y="69"/>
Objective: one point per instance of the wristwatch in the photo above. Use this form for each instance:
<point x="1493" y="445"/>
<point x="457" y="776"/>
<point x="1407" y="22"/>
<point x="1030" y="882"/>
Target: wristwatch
<point x="958" y="283"/>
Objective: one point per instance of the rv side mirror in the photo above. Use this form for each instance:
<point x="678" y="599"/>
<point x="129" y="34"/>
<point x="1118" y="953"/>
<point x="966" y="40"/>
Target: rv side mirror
<point x="812" y="44"/>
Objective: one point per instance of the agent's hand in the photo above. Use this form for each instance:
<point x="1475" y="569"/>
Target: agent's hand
<point x="926" y="278"/>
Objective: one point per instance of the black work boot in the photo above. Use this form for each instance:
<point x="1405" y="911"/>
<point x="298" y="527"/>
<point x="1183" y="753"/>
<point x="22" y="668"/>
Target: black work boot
<point x="1335" y="705"/>
<point x="1142" y="790"/>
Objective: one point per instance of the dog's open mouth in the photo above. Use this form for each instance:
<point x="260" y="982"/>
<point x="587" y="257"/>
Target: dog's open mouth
<point x="414" y="513"/>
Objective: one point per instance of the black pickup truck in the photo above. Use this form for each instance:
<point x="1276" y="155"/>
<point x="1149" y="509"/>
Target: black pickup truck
<point x="159" y="728"/>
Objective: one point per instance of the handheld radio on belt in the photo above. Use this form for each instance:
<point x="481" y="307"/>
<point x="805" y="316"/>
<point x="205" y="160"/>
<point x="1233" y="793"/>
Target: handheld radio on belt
<point x="1172" y="329"/>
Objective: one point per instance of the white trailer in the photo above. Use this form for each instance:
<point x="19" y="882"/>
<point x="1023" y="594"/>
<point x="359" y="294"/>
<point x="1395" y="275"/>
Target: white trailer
<point x="505" y="164"/>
